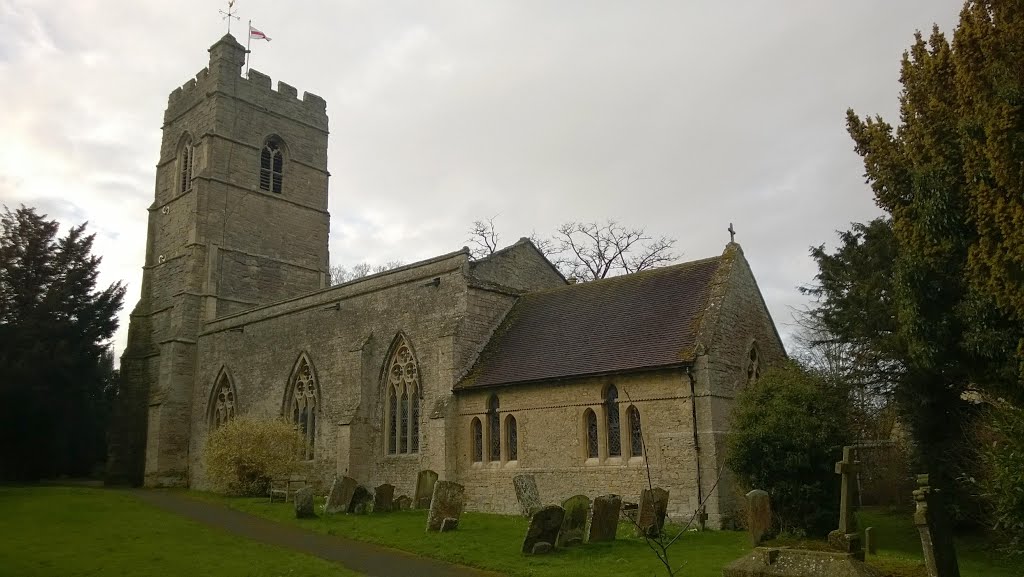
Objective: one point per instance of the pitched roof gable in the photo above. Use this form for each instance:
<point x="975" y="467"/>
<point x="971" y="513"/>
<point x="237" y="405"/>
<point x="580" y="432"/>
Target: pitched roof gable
<point x="643" y="320"/>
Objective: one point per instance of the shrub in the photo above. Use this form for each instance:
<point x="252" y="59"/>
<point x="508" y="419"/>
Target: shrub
<point x="788" y="432"/>
<point x="244" y="454"/>
<point x="1002" y="459"/>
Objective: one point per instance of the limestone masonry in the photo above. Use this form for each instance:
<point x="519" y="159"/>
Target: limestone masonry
<point x="479" y="370"/>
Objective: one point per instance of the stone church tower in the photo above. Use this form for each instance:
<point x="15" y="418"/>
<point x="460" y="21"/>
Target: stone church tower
<point x="239" y="220"/>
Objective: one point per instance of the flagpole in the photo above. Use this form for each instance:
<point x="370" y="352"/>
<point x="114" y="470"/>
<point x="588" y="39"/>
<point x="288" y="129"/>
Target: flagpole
<point x="248" y="40"/>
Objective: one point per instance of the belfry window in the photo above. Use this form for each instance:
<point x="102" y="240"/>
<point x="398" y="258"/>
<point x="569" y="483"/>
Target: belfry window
<point x="186" y="163"/>
<point x="493" y="429"/>
<point x="271" y="166"/>
<point x="611" y="407"/>
<point x="303" y="404"/>
<point x="402" y="412"/>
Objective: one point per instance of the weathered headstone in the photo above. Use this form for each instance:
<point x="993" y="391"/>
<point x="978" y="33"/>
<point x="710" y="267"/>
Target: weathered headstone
<point x="383" y="498"/>
<point x="304" y="503"/>
<point x="605" y="519"/>
<point x="759" y="516"/>
<point x="870" y="546"/>
<point x="424" y="488"/>
<point x="449" y="524"/>
<point x="526" y="492"/>
<point x="361" y="500"/>
<point x="845" y="538"/>
<point x="403" y="503"/>
<point x="544" y="527"/>
<point x="936" y="537"/>
<point x="445" y="505"/>
<point x="575" y="521"/>
<point x="542" y="547"/>
<point x="651" y="515"/>
<point x="341" y="495"/>
<point x="629" y="512"/>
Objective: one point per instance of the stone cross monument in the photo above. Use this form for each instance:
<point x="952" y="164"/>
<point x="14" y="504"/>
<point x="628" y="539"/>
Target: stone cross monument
<point x="845" y="538"/>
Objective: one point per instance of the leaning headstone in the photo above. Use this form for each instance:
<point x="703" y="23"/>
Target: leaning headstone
<point x="403" y="503"/>
<point x="424" y="488"/>
<point x="361" y="499"/>
<point x="651" y="515"/>
<point x="575" y="520"/>
<point x="759" y="516"/>
<point x="383" y="498"/>
<point x="526" y="492"/>
<point x="605" y="519"/>
<point x="304" y="503"/>
<point x="936" y="537"/>
<point x="869" y="541"/>
<point x="544" y="527"/>
<point x="341" y="495"/>
<point x="445" y="506"/>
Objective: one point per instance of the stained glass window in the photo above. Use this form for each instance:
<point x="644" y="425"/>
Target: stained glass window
<point x="612" y="412"/>
<point x="591" y="421"/>
<point x="478" y="441"/>
<point x="304" y="393"/>
<point x="403" y="432"/>
<point x="392" y="422"/>
<point x="636" y="439"/>
<point x="414" y="441"/>
<point x="512" y="441"/>
<point x="403" y="379"/>
<point x="494" y="429"/>
<point x="223" y="403"/>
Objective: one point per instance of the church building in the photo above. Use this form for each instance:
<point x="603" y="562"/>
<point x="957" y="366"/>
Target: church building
<point x="480" y="370"/>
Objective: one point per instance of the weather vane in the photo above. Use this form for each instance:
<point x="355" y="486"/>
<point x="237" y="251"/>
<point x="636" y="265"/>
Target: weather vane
<point x="732" y="233"/>
<point x="229" y="14"/>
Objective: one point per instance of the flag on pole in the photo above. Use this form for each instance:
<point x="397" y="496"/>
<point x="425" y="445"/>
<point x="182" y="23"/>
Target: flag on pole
<point x="254" y="33"/>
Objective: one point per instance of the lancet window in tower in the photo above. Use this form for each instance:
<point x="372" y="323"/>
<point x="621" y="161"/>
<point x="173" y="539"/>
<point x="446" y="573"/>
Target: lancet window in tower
<point x="271" y="166"/>
<point x="611" y="406"/>
<point x="636" y="439"/>
<point x="493" y="429"/>
<point x="303" y="404"/>
<point x="403" y="392"/>
<point x="222" y="408"/>
<point x="186" y="162"/>
<point x="590" y="420"/>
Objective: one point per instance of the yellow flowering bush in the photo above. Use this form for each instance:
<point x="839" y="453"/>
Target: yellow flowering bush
<point x="245" y="453"/>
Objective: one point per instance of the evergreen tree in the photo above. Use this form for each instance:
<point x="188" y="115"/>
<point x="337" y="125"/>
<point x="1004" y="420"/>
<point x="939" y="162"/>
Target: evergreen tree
<point x="56" y="370"/>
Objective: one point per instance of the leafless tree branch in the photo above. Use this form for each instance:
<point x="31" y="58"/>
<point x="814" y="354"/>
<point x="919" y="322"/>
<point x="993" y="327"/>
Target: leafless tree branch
<point x="483" y="238"/>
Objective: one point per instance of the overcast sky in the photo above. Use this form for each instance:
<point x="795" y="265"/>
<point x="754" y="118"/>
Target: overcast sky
<point x="679" y="116"/>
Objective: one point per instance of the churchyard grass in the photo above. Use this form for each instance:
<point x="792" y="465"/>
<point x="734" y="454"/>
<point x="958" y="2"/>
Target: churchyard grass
<point x="71" y="531"/>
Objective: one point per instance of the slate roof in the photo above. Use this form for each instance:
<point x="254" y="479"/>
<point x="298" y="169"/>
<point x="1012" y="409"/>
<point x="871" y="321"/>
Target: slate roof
<point x="643" y="320"/>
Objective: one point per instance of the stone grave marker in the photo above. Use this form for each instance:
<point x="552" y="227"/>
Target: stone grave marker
<point x="383" y="498"/>
<point x="651" y="515"/>
<point x="544" y="527"/>
<point x="526" y="492"/>
<point x="445" y="506"/>
<point x="605" y="519"/>
<point x="870" y="546"/>
<point x="361" y="499"/>
<point x="936" y="538"/>
<point x="424" y="488"/>
<point x="341" y="495"/>
<point x="403" y="503"/>
<point x="304" y="503"/>
<point x="759" y="516"/>
<point x="845" y="538"/>
<point x="575" y="521"/>
<point x="629" y="511"/>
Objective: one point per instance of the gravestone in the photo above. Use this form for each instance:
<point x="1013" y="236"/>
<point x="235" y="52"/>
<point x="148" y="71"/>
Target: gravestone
<point x="445" y="505"/>
<point x="789" y="562"/>
<point x="936" y="536"/>
<point x="304" y="503"/>
<point x="759" y="516"/>
<point x="544" y="527"/>
<point x="575" y="521"/>
<point x="361" y="499"/>
<point x="605" y="519"/>
<point x="526" y="492"/>
<point x="383" y="498"/>
<point x="651" y="515"/>
<point x="403" y="503"/>
<point x="449" y="524"/>
<point x="845" y="538"/>
<point x="629" y="511"/>
<point x="870" y="546"/>
<point x="424" y="488"/>
<point x="341" y="495"/>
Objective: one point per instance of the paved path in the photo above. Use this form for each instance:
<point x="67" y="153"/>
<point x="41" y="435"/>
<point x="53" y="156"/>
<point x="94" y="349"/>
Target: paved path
<point x="365" y="558"/>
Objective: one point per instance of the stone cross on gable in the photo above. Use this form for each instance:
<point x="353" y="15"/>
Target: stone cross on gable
<point x="847" y="468"/>
<point x="732" y="233"/>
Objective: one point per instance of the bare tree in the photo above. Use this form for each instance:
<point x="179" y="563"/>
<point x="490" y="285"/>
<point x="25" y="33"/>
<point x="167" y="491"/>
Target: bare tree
<point x="483" y="237"/>
<point x="592" y="251"/>
<point x="341" y="274"/>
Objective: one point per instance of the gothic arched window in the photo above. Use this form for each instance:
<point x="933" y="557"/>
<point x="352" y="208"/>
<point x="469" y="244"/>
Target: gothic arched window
<point x="271" y="165"/>
<point x="590" y="420"/>
<point x="493" y="429"/>
<point x="611" y="406"/>
<point x="478" y="440"/>
<point x="222" y="404"/>
<point x="186" y="162"/>
<point x="303" y="403"/>
<point x="402" y="412"/>
<point x="511" y="438"/>
<point x="753" y="366"/>
<point x="636" y="439"/>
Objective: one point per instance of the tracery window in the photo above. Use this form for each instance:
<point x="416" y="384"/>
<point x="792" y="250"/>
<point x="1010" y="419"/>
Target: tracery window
<point x="271" y="165"/>
<point x="753" y="366"/>
<point x="478" y="440"/>
<point x="493" y="429"/>
<point x="590" y="418"/>
<point x="186" y="162"/>
<point x="636" y="439"/>
<point x="402" y="412"/>
<point x="223" y="406"/>
<point x="303" y="403"/>
<point x="511" y="438"/>
<point x="612" y="416"/>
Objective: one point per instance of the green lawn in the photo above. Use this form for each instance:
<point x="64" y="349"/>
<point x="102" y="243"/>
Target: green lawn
<point x="65" y="532"/>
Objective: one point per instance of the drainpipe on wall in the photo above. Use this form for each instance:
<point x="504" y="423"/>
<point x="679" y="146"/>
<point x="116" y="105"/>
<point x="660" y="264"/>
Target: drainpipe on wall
<point x="696" y="440"/>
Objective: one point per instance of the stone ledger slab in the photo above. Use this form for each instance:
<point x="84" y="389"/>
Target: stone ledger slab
<point x="784" y="562"/>
<point x="445" y="506"/>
